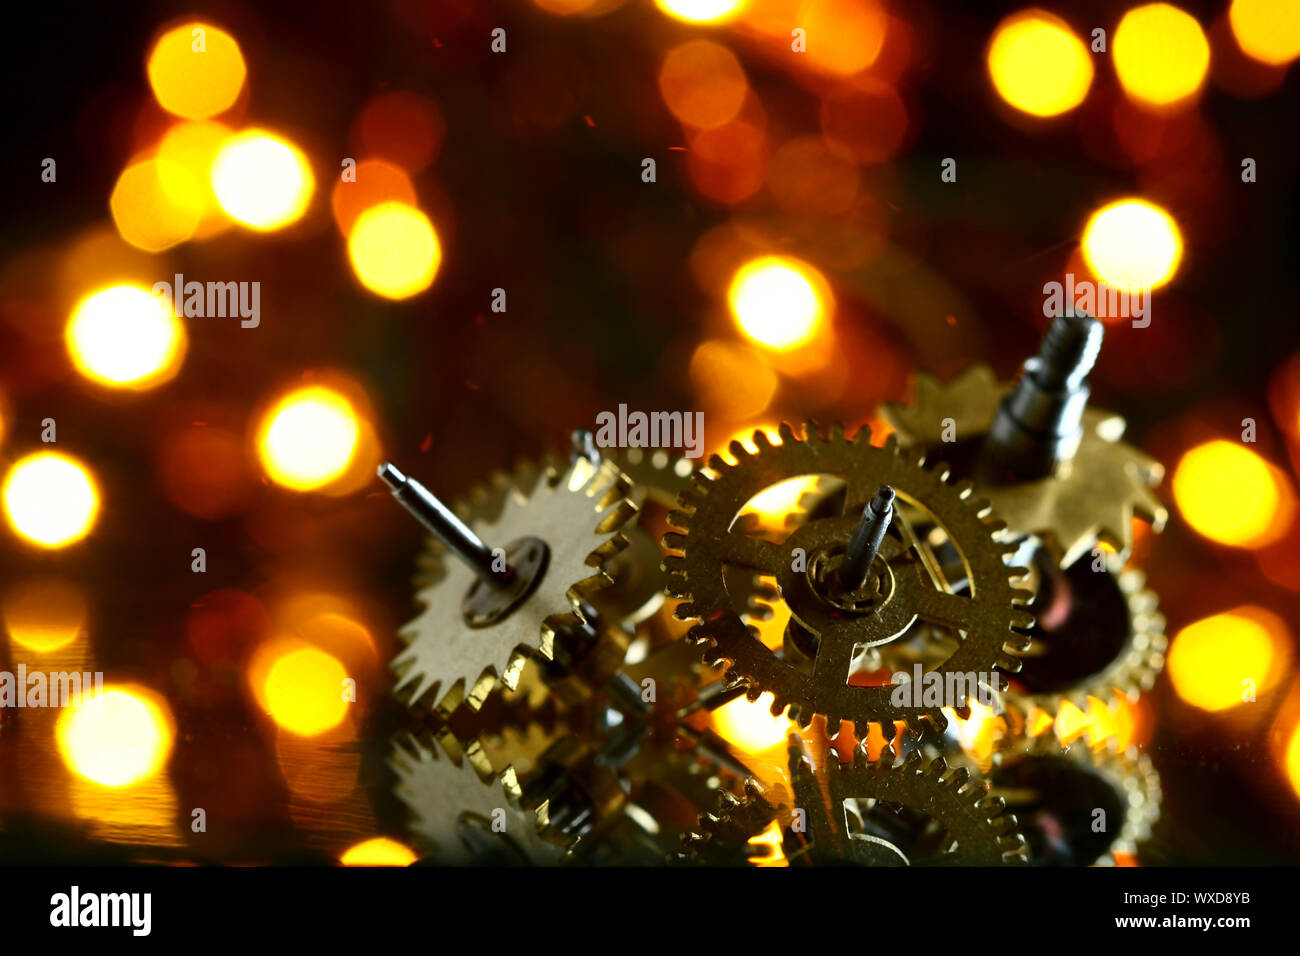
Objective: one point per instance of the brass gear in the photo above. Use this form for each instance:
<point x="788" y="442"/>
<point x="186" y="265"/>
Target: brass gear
<point x="954" y="822"/>
<point x="1131" y="671"/>
<point x="579" y="513"/>
<point x="457" y="809"/>
<point x="1047" y="784"/>
<point x="1092" y="498"/>
<point x="991" y="616"/>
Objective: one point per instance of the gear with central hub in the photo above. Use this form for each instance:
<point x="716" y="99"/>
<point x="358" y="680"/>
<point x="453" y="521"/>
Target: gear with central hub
<point x="906" y="583"/>
<point x="558" y="529"/>
<point x="869" y="813"/>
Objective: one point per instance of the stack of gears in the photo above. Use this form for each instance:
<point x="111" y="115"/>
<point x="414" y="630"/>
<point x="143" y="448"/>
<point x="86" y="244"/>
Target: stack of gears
<point x="583" y="619"/>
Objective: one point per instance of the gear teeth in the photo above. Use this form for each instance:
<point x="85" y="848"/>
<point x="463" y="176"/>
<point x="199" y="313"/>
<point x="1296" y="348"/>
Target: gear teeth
<point x="762" y="441"/>
<point x="786" y="433"/>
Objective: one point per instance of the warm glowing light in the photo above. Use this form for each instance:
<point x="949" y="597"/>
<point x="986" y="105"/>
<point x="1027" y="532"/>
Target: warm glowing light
<point x="770" y="840"/>
<point x="116" y="738"/>
<point x="305" y="691"/>
<point x="377" y="181"/>
<point x="777" y="302"/>
<point x="309" y="438"/>
<point x="701" y="11"/>
<point x="1132" y="244"/>
<point x="702" y="83"/>
<point x="1231" y="495"/>
<point x="1212" y="660"/>
<point x="1038" y="65"/>
<point x="127" y="337"/>
<point x="732" y="378"/>
<point x="1293" y="760"/>
<point x="1161" y="54"/>
<point x="844" y="36"/>
<point x="50" y="499"/>
<point x="1267" y="30"/>
<point x="394" y="250"/>
<point x="751" y="726"/>
<point x="44" y="616"/>
<point x="773" y="505"/>
<point x="196" y="70"/>
<point x="185" y="157"/>
<point x="262" y="180"/>
<point x="380" y="851"/>
<point x="156" y="204"/>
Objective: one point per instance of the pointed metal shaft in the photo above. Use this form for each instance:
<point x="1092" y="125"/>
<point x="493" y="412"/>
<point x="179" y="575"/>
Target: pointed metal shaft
<point x="865" y="543"/>
<point x="584" y="445"/>
<point x="443" y="523"/>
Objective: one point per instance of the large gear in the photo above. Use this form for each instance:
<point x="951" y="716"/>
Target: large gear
<point x="1091" y="498"/>
<point x="870" y="813"/>
<point x="989" y="614"/>
<point x="578" y="514"/>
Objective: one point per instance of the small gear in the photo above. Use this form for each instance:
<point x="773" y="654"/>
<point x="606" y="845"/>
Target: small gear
<point x="1091" y="498"/>
<point x="870" y="813"/>
<point x="1068" y="800"/>
<point x="566" y="524"/>
<point x="905" y="585"/>
<point x="460" y="812"/>
<point x="1111" y="642"/>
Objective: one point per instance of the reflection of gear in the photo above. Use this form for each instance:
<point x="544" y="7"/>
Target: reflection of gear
<point x="873" y="813"/>
<point x="1134" y="665"/>
<point x="907" y="583"/>
<point x="578" y="514"/>
<point x="1056" y="792"/>
<point x="1093" y="497"/>
<point x="457" y="813"/>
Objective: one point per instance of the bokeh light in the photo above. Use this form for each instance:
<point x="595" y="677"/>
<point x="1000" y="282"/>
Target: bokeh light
<point x="377" y="182"/>
<point x="1267" y="30"/>
<point x="778" y="302"/>
<point x="116" y="738"/>
<point x="196" y="70"/>
<point x="394" y="250"/>
<point x="732" y="378"/>
<point x="702" y="83"/>
<point x="1161" y="54"/>
<point x="843" y="36"/>
<point x="156" y="204"/>
<point x="1038" y="64"/>
<point x="751" y="726"/>
<point x="1132" y="244"/>
<point x="304" y="691"/>
<point x="44" y="615"/>
<point x="380" y="851"/>
<point x="126" y="337"/>
<point x="185" y="157"/>
<point x="1230" y="494"/>
<point x="402" y="127"/>
<point x="261" y="180"/>
<point x="1210" y="659"/>
<point x="308" y="439"/>
<point x="701" y="11"/>
<point x="1292" y="760"/>
<point x="50" y="499"/>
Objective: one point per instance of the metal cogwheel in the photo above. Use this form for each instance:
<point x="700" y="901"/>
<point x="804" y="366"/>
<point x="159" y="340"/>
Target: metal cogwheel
<point x="869" y="813"/>
<point x="1136" y="659"/>
<point x="454" y="654"/>
<point x="1057" y="792"/>
<point x="1092" y="498"/>
<point x="906" y="583"/>
<point x="459" y="812"/>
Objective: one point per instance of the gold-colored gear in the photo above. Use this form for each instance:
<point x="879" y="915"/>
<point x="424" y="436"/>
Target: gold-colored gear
<point x="1091" y="498"/>
<point x="859" y="812"/>
<point x="579" y="513"/>
<point x="1129" y="775"/>
<point x="459" y="807"/>
<point x="990" y="616"/>
<point x="1134" y="668"/>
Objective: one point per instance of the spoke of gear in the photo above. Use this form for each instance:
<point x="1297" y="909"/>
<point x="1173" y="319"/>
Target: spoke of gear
<point x="987" y="613"/>
<point x="578" y="513"/>
<point x="1092" y="498"/>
